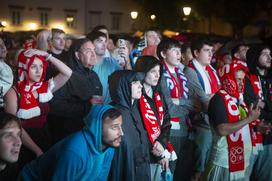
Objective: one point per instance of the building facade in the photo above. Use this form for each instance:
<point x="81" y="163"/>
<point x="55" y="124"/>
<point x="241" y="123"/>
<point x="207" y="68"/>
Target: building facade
<point x="73" y="16"/>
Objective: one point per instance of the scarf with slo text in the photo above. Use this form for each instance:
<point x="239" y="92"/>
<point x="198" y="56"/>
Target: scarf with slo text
<point x="152" y="125"/>
<point x="231" y="96"/>
<point x="177" y="89"/>
<point x="234" y="140"/>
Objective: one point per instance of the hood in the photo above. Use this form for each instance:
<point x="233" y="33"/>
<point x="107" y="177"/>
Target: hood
<point x="120" y="86"/>
<point x="228" y="80"/>
<point x="252" y="57"/>
<point x="93" y="127"/>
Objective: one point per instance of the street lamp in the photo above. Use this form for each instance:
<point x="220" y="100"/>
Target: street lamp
<point x="3" y="24"/>
<point x="187" y="11"/>
<point x="134" y="14"/>
<point x="153" y="17"/>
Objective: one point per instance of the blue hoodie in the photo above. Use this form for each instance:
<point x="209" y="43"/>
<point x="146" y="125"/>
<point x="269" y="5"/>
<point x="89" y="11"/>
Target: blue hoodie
<point x="78" y="157"/>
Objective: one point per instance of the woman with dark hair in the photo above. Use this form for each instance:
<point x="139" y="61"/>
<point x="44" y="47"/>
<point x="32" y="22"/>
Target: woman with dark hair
<point x="155" y="116"/>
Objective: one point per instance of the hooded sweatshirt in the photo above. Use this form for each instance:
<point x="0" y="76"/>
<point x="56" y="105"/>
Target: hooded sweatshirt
<point x="131" y="160"/>
<point x="78" y="157"/>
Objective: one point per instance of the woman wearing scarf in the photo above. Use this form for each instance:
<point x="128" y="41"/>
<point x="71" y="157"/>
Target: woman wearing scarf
<point x="155" y="116"/>
<point x="230" y="119"/>
<point x="131" y="160"/>
<point x="29" y="98"/>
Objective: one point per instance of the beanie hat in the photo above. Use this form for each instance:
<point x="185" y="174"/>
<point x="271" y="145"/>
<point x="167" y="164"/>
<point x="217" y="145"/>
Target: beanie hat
<point x="145" y="63"/>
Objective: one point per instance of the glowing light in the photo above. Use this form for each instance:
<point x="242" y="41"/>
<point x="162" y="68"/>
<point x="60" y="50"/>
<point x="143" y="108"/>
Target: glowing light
<point x="187" y="11"/>
<point x="134" y="14"/>
<point x="59" y="26"/>
<point x="153" y="17"/>
<point x="70" y="19"/>
<point x="32" y="26"/>
<point x="4" y="23"/>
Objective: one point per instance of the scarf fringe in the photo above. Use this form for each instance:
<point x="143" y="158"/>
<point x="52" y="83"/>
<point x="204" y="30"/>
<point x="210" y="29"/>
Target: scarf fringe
<point x="237" y="175"/>
<point x="258" y="147"/>
<point x="175" y="125"/>
<point x="28" y="113"/>
<point x="170" y="156"/>
<point x="45" y="97"/>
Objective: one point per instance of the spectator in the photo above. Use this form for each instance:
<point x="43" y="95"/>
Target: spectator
<point x="85" y="155"/>
<point x="209" y="81"/>
<point x="28" y="99"/>
<point x="73" y="101"/>
<point x="230" y="118"/>
<point x="155" y="116"/>
<point x="131" y="160"/>
<point x="6" y="75"/>
<point x="10" y="144"/>
<point x="258" y="88"/>
<point x="105" y="65"/>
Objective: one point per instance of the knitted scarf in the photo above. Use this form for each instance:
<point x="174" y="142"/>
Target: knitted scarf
<point x="152" y="125"/>
<point x="28" y="104"/>
<point x="210" y="83"/>
<point x="176" y="90"/>
<point x="258" y="137"/>
<point x="234" y="140"/>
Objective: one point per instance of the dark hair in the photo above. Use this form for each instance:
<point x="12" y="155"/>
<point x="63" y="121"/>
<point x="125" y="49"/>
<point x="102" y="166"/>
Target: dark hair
<point x="114" y="38"/>
<point x="184" y="47"/>
<point x="111" y="113"/>
<point x="99" y="27"/>
<point x="165" y="45"/>
<point x="95" y="35"/>
<point x="236" y="48"/>
<point x="146" y="63"/>
<point x="198" y="43"/>
<point x="252" y="57"/>
<point x="6" y="118"/>
<point x="55" y="31"/>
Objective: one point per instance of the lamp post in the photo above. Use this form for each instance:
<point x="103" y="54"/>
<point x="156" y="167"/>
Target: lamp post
<point x="3" y="24"/>
<point x="134" y="15"/>
<point x="153" y="17"/>
<point x="186" y="10"/>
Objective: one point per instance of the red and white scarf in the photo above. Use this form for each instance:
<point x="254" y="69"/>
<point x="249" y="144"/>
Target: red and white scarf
<point x="258" y="137"/>
<point x="28" y="104"/>
<point x="231" y="96"/>
<point x="235" y="140"/>
<point x="152" y="124"/>
<point x="177" y="90"/>
<point x="207" y="77"/>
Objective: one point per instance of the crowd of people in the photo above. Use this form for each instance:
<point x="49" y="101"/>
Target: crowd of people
<point x="113" y="107"/>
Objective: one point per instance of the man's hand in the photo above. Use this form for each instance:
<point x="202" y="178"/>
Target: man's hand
<point x="254" y="113"/>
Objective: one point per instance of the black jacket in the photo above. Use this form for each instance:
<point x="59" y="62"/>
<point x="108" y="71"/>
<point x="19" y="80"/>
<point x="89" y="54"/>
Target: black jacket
<point x="131" y="160"/>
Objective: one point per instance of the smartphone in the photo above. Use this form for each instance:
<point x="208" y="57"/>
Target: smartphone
<point x="121" y="42"/>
